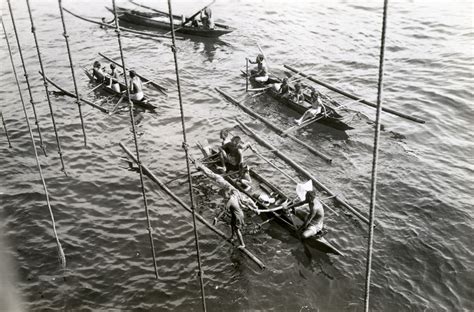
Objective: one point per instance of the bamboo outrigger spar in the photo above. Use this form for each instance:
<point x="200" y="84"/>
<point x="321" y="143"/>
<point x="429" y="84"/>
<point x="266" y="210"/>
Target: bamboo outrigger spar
<point x="354" y="97"/>
<point x="272" y="126"/>
<point x="185" y="206"/>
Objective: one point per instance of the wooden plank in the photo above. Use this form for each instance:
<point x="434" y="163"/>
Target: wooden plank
<point x="354" y="97"/>
<point x="303" y="172"/>
<point x="186" y="207"/>
<point x="272" y="126"/>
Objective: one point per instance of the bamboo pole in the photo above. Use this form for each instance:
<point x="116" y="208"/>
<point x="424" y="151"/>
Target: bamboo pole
<point x="200" y="218"/>
<point x="272" y="126"/>
<point x="68" y="93"/>
<point x="246" y="75"/>
<point x="6" y="131"/>
<point x="354" y="97"/>
<point x="146" y="80"/>
<point x="303" y="172"/>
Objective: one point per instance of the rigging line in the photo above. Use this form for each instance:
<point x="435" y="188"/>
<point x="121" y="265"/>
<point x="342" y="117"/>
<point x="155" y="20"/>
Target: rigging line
<point x="6" y="131"/>
<point x="78" y="101"/>
<point x="185" y="146"/>
<point x="132" y="120"/>
<point x="33" y="104"/>
<point x="61" y="255"/>
<point x="45" y="83"/>
<point x="373" y="188"/>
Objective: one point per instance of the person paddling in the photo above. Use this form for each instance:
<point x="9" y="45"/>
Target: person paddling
<point x="136" y="87"/>
<point x="260" y="73"/>
<point x="207" y="19"/>
<point x="315" y="109"/>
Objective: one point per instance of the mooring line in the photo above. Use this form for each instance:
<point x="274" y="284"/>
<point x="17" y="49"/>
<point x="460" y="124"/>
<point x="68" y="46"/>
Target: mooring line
<point x="45" y="83"/>
<point x="137" y="151"/>
<point x="6" y="130"/>
<point x="71" y="64"/>
<point x="61" y="255"/>
<point x="188" y="166"/>
<point x="373" y="184"/>
<point x="33" y="104"/>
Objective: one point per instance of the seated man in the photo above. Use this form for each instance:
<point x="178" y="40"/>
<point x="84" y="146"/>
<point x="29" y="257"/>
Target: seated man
<point x="260" y="73"/>
<point x="206" y="19"/>
<point x="114" y="78"/>
<point x="316" y="214"/>
<point x="136" y="87"/>
<point x="97" y="72"/>
<point x="231" y="155"/>
<point x="298" y="95"/>
<point x="315" y="110"/>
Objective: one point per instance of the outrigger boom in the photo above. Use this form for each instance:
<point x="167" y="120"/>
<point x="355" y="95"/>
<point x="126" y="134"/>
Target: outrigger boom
<point x="354" y="97"/>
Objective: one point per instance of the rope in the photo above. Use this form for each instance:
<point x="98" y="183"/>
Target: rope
<point x="373" y="189"/>
<point x="45" y="83"/>
<point x="33" y="105"/>
<point x="6" y="131"/>
<point x="78" y="101"/>
<point x="132" y="120"/>
<point x="61" y="255"/>
<point x="185" y="146"/>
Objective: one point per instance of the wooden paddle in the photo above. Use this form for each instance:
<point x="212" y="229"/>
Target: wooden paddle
<point x="118" y="103"/>
<point x="95" y="88"/>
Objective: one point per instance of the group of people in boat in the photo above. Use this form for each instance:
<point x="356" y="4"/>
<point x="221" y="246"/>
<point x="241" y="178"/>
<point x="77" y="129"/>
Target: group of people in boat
<point x="231" y="163"/>
<point x="260" y="74"/>
<point x="204" y="19"/>
<point x="111" y="78"/>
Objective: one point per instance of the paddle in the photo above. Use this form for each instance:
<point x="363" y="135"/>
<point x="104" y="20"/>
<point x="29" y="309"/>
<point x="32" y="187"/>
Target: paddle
<point x="195" y="14"/>
<point x="95" y="88"/>
<point x="118" y="103"/>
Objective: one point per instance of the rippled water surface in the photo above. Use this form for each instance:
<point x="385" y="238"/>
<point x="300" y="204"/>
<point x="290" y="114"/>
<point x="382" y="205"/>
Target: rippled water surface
<point x="423" y="258"/>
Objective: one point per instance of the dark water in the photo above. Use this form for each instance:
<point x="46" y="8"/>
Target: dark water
<point x="423" y="259"/>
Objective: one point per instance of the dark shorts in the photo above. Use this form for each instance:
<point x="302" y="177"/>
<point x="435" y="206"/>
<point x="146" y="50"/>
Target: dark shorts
<point x="237" y="220"/>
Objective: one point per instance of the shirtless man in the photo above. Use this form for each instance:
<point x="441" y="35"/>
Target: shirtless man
<point x="316" y="108"/>
<point x="260" y="72"/>
<point x="298" y="96"/>
<point x="231" y="155"/>
<point x="232" y="205"/>
<point x="314" y="220"/>
<point x="114" y="78"/>
<point x="207" y="19"/>
<point x="136" y="87"/>
<point x="97" y="72"/>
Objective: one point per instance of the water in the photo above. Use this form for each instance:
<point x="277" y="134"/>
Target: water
<point x="423" y="257"/>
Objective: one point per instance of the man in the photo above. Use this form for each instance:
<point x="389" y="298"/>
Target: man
<point x="114" y="78"/>
<point x="260" y="73"/>
<point x="284" y="88"/>
<point x="314" y="220"/>
<point x="206" y="18"/>
<point x="136" y="87"/>
<point x="298" y="95"/>
<point x="315" y="110"/>
<point x="231" y="155"/>
<point x="97" y="72"/>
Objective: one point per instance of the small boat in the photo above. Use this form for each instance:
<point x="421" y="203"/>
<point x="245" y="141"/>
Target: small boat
<point x="105" y="86"/>
<point x="333" y="119"/>
<point x="160" y="21"/>
<point x="267" y="196"/>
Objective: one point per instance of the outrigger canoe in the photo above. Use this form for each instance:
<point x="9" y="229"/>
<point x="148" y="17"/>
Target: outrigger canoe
<point x="261" y="191"/>
<point x="105" y="86"/>
<point x="160" y="21"/>
<point x="333" y="119"/>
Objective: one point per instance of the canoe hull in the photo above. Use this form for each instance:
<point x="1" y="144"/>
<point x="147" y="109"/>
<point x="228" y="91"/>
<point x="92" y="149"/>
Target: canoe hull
<point x="334" y="119"/>
<point x="134" y="18"/>
<point x="261" y="188"/>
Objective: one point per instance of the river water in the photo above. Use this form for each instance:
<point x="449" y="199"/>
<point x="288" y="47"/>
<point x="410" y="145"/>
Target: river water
<point x="423" y="258"/>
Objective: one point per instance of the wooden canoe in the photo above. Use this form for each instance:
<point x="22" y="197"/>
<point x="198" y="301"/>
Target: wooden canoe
<point x="162" y="23"/>
<point x="333" y="120"/>
<point x="105" y="87"/>
<point x="262" y="188"/>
